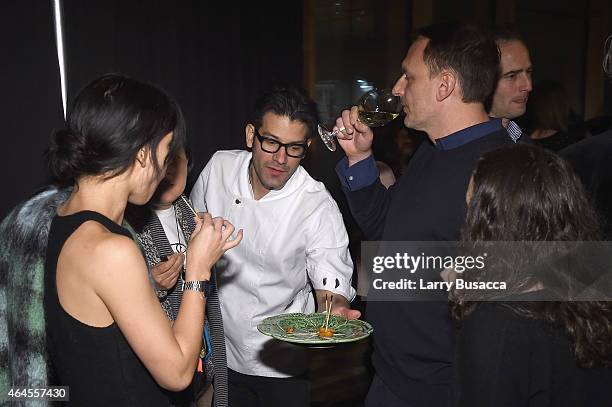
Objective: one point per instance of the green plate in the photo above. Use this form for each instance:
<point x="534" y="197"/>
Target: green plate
<point x="304" y="328"/>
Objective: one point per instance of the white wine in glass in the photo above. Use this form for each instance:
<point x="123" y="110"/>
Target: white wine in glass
<point x="375" y="119"/>
<point x="376" y="107"/>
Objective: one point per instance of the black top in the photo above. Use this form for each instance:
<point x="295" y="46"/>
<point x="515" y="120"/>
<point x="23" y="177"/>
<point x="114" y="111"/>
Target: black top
<point x="591" y="158"/>
<point x="508" y="360"/>
<point x="97" y="364"/>
<point x="556" y="141"/>
<point x="413" y="341"/>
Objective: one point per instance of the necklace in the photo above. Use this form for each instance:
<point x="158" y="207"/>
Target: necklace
<point x="179" y="247"/>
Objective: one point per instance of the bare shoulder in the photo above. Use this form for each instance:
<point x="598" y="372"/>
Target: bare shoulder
<point x="105" y="253"/>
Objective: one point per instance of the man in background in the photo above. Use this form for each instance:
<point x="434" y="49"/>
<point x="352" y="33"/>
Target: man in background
<point x="512" y="91"/>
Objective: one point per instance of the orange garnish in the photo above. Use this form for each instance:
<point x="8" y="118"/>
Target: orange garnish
<point x="325" y="332"/>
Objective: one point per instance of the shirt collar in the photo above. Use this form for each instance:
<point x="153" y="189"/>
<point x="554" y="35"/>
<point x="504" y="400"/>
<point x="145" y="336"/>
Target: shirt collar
<point x="514" y="130"/>
<point x="468" y="134"/>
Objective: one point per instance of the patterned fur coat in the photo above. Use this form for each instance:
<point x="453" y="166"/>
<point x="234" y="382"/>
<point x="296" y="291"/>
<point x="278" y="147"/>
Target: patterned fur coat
<point x="23" y="243"/>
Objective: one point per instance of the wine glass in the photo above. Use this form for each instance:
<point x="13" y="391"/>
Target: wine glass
<point x="376" y="107"/>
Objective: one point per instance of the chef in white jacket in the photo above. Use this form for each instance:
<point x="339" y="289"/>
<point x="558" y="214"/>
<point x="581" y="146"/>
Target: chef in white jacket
<point x="294" y="242"/>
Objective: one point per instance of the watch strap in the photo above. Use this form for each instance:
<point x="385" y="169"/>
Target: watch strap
<point x="202" y="286"/>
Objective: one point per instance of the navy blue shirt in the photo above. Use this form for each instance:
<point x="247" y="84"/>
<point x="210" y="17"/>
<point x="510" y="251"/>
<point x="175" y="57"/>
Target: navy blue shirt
<point x="364" y="172"/>
<point x="414" y="341"/>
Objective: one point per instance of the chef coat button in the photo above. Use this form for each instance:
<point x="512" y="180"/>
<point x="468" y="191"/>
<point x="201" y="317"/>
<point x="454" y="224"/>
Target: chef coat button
<point x="237" y="201"/>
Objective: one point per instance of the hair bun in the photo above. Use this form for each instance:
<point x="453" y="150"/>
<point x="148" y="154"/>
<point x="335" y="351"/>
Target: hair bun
<point x="66" y="156"/>
<point x="110" y="121"/>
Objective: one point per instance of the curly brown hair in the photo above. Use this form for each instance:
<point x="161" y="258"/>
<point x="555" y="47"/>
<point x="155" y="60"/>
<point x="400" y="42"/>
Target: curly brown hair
<point x="524" y="193"/>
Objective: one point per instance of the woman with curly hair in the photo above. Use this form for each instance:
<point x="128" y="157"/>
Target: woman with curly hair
<point x="527" y="345"/>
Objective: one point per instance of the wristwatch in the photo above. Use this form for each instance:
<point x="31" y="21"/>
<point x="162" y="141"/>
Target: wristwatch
<point x="202" y="286"/>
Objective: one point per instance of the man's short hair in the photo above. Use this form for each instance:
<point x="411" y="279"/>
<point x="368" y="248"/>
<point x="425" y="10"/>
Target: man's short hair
<point x="289" y="102"/>
<point x="469" y="52"/>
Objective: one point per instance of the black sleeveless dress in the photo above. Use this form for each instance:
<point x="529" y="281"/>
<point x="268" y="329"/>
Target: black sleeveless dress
<point x="97" y="364"/>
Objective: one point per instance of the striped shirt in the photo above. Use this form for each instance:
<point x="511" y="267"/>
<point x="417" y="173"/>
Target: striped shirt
<point x="514" y="131"/>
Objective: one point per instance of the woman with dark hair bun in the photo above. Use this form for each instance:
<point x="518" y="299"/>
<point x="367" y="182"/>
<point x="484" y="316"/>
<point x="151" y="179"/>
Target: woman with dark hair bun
<point x="526" y="345"/>
<point x="108" y="338"/>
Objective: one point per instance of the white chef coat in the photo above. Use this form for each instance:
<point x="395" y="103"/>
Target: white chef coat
<point x="293" y="237"/>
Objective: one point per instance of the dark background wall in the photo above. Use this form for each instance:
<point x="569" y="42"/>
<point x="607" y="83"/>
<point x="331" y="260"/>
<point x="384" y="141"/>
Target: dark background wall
<point x="565" y="38"/>
<point x="31" y="101"/>
<point x="213" y="57"/>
